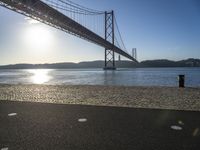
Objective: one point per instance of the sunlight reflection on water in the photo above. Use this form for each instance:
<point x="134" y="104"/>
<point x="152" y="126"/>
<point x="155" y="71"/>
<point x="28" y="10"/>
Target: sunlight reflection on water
<point x="125" y="77"/>
<point x="39" y="76"/>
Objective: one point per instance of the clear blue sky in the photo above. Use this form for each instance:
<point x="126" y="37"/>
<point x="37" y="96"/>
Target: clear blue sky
<point x="159" y="29"/>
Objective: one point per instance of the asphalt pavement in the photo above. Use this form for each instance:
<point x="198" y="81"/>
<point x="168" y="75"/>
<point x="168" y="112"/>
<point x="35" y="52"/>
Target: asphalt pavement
<point x="42" y="126"/>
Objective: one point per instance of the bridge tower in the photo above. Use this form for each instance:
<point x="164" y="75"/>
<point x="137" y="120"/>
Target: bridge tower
<point x="109" y="36"/>
<point x="134" y="53"/>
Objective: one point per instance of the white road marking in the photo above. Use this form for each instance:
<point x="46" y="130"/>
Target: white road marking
<point x="180" y="122"/>
<point x="82" y="120"/>
<point x="174" y="127"/>
<point x="12" y="114"/>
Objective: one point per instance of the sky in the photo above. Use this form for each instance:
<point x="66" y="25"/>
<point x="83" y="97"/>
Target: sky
<point x="159" y="29"/>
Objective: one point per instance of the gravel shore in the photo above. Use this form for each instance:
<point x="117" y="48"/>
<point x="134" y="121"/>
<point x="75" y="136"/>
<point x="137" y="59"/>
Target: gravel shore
<point x="144" y="97"/>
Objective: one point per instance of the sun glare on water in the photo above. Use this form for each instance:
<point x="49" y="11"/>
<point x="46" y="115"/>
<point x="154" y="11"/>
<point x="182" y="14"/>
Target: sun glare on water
<point x="39" y="76"/>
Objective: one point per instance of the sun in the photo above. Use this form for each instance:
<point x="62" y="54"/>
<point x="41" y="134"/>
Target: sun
<point x="38" y="37"/>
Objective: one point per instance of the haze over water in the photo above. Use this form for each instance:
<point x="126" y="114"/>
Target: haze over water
<point x="126" y="77"/>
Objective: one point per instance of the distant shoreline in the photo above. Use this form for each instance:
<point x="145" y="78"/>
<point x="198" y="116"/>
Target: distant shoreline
<point x="100" y="68"/>
<point x="95" y="68"/>
<point x="100" y="64"/>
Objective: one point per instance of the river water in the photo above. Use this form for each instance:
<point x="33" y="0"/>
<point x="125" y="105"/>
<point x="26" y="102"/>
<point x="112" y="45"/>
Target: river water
<point x="127" y="77"/>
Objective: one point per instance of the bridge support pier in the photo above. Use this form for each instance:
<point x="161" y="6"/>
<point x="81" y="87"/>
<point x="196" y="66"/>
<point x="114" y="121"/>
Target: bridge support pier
<point x="109" y="36"/>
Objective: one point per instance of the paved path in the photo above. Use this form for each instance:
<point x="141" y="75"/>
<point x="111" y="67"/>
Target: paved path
<point x="28" y="126"/>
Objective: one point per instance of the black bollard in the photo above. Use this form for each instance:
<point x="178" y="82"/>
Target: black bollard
<point x="181" y="81"/>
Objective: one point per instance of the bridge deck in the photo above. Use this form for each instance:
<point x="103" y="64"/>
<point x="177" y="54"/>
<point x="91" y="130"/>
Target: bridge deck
<point x="39" y="10"/>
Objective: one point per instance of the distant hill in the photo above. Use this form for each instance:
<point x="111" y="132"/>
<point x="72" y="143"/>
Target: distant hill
<point x="99" y="64"/>
<point x="89" y="64"/>
<point x="191" y="62"/>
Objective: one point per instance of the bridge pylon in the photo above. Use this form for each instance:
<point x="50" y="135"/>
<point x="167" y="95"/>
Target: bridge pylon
<point x="109" y="36"/>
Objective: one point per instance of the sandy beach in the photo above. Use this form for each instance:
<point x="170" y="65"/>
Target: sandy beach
<point x="123" y="96"/>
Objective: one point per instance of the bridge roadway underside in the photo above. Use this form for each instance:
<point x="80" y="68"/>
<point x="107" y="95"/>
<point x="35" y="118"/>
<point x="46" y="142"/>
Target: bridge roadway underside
<point x="40" y="11"/>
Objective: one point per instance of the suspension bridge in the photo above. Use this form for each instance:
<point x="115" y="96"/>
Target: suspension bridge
<point x="98" y="27"/>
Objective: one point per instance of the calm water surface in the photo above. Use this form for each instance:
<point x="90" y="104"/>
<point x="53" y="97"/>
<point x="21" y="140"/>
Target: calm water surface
<point x="128" y="77"/>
